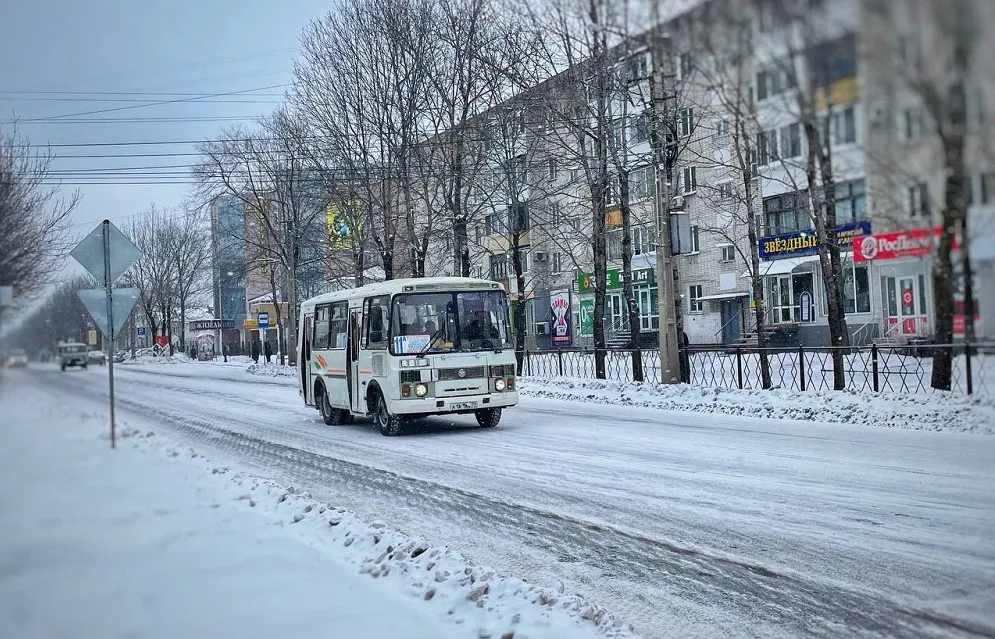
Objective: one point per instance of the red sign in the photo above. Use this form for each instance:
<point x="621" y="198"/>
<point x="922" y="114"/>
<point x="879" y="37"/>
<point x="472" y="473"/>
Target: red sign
<point x="889" y="246"/>
<point x="162" y="341"/>
<point x="907" y="297"/>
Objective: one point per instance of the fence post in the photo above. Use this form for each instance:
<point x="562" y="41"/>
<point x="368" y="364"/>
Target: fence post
<point x="970" y="375"/>
<point x="559" y="360"/>
<point x="801" y="365"/>
<point x="874" y="365"/>
<point x="739" y="366"/>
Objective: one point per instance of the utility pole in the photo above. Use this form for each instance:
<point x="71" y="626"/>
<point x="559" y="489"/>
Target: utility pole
<point x="663" y="163"/>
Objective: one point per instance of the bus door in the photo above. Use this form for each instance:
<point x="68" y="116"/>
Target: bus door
<point x="304" y="360"/>
<point x="352" y="359"/>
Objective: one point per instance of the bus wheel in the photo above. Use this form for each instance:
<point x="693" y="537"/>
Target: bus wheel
<point x="388" y="425"/>
<point x="488" y="417"/>
<point x="331" y="416"/>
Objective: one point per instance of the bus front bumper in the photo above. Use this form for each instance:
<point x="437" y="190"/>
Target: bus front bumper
<point x="462" y="404"/>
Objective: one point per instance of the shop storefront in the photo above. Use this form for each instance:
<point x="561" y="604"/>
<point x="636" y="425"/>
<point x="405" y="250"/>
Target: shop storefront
<point x="644" y="291"/>
<point x="794" y="293"/>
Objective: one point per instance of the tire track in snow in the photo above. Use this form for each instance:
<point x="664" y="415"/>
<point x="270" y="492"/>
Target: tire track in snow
<point x="751" y="590"/>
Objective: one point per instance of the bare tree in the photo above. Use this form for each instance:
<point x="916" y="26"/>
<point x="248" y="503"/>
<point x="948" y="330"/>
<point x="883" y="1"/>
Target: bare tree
<point x="284" y="200"/>
<point x="155" y="273"/>
<point x="941" y="62"/>
<point x="34" y="219"/>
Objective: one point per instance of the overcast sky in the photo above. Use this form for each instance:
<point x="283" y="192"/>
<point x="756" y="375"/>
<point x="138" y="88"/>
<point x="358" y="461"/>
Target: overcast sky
<point x="180" y="46"/>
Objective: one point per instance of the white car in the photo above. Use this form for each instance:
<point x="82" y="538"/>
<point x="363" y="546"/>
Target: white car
<point x="96" y="357"/>
<point x="16" y="359"/>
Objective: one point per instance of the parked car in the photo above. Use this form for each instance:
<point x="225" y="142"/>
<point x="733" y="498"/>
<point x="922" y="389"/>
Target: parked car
<point x="72" y="354"/>
<point x="96" y="357"/>
<point x="120" y="356"/>
<point x="16" y="358"/>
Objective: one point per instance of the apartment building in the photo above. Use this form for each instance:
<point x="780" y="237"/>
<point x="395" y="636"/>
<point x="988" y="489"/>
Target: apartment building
<point x="721" y="55"/>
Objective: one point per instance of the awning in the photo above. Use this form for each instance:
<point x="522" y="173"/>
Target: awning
<point x="783" y="267"/>
<point x="725" y="296"/>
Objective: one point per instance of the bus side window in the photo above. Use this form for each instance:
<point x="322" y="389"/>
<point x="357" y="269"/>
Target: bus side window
<point x="376" y="320"/>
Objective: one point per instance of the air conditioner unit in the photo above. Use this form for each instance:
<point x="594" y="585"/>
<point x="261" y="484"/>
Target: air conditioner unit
<point x="677" y="203"/>
<point x="539" y="256"/>
<point x="542" y="328"/>
<point x="878" y="115"/>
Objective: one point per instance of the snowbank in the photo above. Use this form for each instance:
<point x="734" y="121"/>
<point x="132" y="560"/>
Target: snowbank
<point x="154" y="540"/>
<point x="271" y="370"/>
<point x="936" y="412"/>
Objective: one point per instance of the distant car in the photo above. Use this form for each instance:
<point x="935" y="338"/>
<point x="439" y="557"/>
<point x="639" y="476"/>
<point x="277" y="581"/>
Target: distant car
<point x="96" y="357"/>
<point x="16" y="358"/>
<point x="72" y="354"/>
<point x="120" y="356"/>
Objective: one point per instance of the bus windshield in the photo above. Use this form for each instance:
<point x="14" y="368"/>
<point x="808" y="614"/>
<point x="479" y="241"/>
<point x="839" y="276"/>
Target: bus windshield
<point x="446" y="322"/>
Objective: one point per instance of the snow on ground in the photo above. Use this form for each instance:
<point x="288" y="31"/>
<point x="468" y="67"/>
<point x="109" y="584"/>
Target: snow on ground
<point x="153" y="540"/>
<point x="935" y="412"/>
<point x="938" y="412"/>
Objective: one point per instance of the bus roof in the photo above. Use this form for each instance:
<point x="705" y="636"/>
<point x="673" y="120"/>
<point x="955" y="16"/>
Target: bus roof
<point x="416" y="284"/>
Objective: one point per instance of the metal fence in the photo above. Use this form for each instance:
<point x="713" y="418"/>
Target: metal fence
<point x="900" y="369"/>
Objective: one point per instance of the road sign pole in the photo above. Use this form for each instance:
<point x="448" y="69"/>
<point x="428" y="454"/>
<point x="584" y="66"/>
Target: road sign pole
<point x="108" y="284"/>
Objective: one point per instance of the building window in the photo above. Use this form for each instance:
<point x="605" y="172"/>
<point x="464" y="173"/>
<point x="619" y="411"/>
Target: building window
<point x="489" y="224"/>
<point x="767" y="147"/>
<point x="613" y="241"/>
<point x="912" y="123"/>
<point x="844" y="126"/>
<point x="555" y="265"/>
<point x="498" y="267"/>
<point x="695" y="305"/>
<point x="686" y="122"/>
<point x="723" y="127"/>
<point x="685" y="65"/>
<point x="791" y="140"/>
<point x="689" y="183"/>
<point x="787" y="213"/>
<point x="851" y="202"/>
<point x="553" y="170"/>
<point x="728" y="253"/>
<point x="556" y="214"/>
<point x="987" y="188"/>
<point x="856" y="290"/>
<point x="833" y="60"/>
<point x="725" y="191"/>
<point x="642" y="240"/>
<point x="618" y="133"/>
<point x="639" y="184"/>
<point x="639" y="128"/>
<point x="908" y="51"/>
<point x="918" y="200"/>
<point x="520" y="218"/>
<point x="695" y="240"/>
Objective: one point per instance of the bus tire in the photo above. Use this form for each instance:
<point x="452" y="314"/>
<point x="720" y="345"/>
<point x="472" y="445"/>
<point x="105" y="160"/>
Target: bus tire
<point x="488" y="417"/>
<point x="331" y="416"/>
<point x="389" y="425"/>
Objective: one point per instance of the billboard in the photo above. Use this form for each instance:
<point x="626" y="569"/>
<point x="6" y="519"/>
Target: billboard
<point x="339" y="223"/>
<point x="560" y="332"/>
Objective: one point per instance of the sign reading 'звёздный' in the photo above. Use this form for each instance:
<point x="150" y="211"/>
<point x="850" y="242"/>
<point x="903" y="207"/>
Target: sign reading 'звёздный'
<point x="800" y="243"/>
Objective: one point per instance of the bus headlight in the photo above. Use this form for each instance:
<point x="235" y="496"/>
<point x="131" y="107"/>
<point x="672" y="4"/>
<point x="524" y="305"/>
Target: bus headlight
<point x="499" y="385"/>
<point x="421" y="390"/>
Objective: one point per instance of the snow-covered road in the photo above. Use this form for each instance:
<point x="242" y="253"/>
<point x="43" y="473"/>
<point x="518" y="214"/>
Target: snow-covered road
<point x="681" y="523"/>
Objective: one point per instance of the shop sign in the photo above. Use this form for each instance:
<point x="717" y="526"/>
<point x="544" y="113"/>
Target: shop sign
<point x="897" y="244"/>
<point x="561" y="332"/>
<point x="585" y="281"/>
<point x="801" y="243"/>
<point x="212" y="324"/>
<point x="587" y="318"/>
<point x="644" y="277"/>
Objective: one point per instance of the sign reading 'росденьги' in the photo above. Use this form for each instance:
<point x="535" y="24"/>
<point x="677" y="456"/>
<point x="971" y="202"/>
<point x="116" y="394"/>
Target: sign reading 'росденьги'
<point x="800" y="243"/>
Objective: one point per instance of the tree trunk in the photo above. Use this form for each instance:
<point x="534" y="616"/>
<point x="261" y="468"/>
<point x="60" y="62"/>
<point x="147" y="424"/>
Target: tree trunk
<point x="953" y="217"/>
<point x="760" y="308"/>
<point x="632" y="307"/>
<point x="824" y="213"/>
<point x="521" y="328"/>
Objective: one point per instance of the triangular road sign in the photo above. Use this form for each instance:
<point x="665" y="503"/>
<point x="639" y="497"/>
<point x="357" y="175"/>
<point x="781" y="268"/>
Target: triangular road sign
<point x="95" y="302"/>
<point x="90" y="252"/>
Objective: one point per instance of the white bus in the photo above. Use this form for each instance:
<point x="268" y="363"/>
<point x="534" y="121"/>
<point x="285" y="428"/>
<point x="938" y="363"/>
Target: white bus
<point x="405" y="349"/>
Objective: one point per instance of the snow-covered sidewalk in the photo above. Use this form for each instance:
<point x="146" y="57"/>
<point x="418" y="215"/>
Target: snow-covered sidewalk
<point x="152" y="540"/>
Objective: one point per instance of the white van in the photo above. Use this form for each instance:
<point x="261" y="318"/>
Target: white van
<point x="405" y="349"/>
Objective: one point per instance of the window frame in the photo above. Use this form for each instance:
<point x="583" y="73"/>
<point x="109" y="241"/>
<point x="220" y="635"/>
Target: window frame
<point x="695" y="303"/>
<point x="692" y="172"/>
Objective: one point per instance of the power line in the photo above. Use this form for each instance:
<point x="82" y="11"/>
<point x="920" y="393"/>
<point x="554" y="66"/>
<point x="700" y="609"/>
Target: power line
<point x="156" y="103"/>
<point x="146" y="120"/>
<point x="119" y="100"/>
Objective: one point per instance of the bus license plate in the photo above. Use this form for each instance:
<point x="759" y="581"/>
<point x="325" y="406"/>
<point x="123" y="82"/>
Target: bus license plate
<point x="464" y="406"/>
